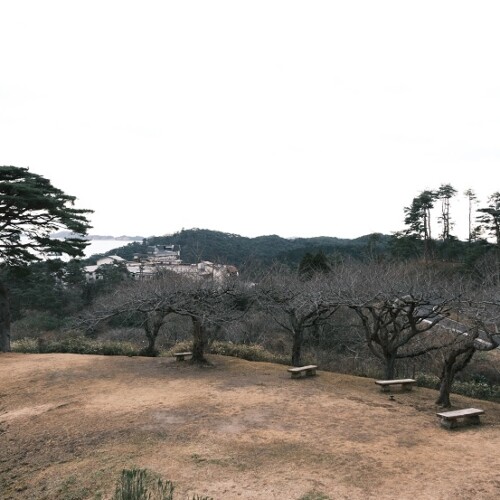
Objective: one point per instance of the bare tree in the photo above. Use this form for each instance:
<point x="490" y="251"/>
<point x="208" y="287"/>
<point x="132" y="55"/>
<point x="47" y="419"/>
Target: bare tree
<point x="398" y="305"/>
<point x="206" y="301"/>
<point x="296" y="304"/>
<point x="150" y="300"/>
<point x="210" y="303"/>
<point x="477" y="330"/>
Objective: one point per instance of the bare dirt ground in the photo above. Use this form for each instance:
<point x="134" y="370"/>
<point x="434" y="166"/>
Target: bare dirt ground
<point x="237" y="430"/>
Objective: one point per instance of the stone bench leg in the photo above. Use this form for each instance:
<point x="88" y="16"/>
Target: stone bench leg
<point x="385" y="388"/>
<point x="296" y="374"/>
<point x="449" y="423"/>
<point x="472" y="419"/>
<point x="180" y="358"/>
<point x="452" y="423"/>
<point x="407" y="387"/>
<point x="311" y="373"/>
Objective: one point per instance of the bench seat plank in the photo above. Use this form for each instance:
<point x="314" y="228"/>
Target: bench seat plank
<point x="297" y="371"/>
<point x="302" y="368"/>
<point x="392" y="382"/>
<point x="470" y="415"/>
<point x="181" y="355"/>
<point x="406" y="383"/>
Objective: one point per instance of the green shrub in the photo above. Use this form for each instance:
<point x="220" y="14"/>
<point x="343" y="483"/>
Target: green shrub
<point x="314" y="495"/>
<point x="75" y="344"/>
<point x="474" y="388"/>
<point x="250" y="352"/>
<point x="114" y="348"/>
<point x="35" y="322"/>
<point x="479" y="387"/>
<point x="27" y="345"/>
<point x="496" y="393"/>
<point x="429" y="381"/>
<point x="142" y="484"/>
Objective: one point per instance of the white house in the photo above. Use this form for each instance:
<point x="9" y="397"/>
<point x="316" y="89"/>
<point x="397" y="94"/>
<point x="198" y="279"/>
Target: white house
<point x="162" y="258"/>
<point x="91" y="273"/>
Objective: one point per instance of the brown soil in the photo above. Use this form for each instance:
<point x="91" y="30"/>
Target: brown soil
<point x="236" y="430"/>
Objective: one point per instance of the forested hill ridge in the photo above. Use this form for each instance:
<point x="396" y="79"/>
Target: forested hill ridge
<point x="226" y="248"/>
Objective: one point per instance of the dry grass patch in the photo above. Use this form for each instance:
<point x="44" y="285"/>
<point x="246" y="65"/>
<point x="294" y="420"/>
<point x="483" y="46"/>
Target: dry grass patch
<point x="69" y="424"/>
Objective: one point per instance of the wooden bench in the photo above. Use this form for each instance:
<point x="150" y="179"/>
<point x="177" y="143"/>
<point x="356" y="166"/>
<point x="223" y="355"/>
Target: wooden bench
<point x="449" y="419"/>
<point x="405" y="383"/>
<point x="309" y="370"/>
<point x="181" y="355"/>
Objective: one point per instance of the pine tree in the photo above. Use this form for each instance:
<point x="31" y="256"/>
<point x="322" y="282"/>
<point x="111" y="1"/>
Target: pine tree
<point x="31" y="209"/>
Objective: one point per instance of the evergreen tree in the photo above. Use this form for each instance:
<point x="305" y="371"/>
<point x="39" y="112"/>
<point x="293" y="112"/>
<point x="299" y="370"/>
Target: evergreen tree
<point x="489" y="221"/>
<point x="490" y="217"/>
<point x="445" y="193"/>
<point x="312" y="264"/>
<point x="418" y="218"/>
<point x="31" y="208"/>
<point x="472" y="198"/>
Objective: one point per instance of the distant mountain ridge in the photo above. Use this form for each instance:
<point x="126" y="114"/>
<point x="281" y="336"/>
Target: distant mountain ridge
<point x="116" y="238"/>
<point x="96" y="237"/>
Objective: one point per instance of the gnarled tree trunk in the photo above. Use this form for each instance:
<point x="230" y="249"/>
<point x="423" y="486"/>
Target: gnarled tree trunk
<point x="199" y="341"/>
<point x="152" y="325"/>
<point x="298" y="339"/>
<point x="390" y="365"/>
<point x="454" y="362"/>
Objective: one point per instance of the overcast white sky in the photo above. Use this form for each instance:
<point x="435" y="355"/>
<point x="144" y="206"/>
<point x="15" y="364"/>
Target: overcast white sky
<point x="296" y="118"/>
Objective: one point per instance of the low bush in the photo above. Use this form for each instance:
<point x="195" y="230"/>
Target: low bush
<point x="426" y="380"/>
<point x="484" y="365"/>
<point x="35" y="323"/>
<point x="250" y="352"/>
<point x="143" y="484"/>
<point x="314" y="495"/>
<point x="27" y="345"/>
<point x="479" y="388"/>
<point x="75" y="344"/>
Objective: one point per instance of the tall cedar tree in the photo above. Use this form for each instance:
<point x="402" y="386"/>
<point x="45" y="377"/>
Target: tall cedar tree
<point x="489" y="221"/>
<point x="472" y="200"/>
<point x="31" y="208"/>
<point x="445" y="193"/>
<point x="418" y="218"/>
